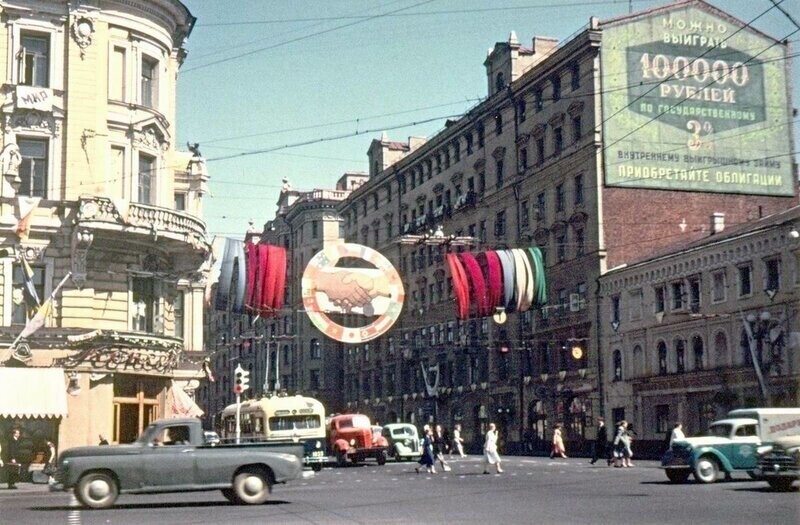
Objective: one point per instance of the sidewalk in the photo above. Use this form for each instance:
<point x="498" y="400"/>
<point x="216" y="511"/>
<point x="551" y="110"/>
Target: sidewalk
<point x="24" y="488"/>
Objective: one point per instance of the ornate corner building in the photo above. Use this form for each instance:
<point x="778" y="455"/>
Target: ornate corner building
<point x="94" y="188"/>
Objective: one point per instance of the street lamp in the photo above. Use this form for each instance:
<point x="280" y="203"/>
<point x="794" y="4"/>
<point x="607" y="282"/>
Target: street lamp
<point x="761" y="330"/>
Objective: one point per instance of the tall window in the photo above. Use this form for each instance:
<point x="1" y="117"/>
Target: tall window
<point x="662" y="419"/>
<point x="541" y="201"/>
<point x="33" y="168"/>
<point x="23" y="304"/>
<point x="149" y="82"/>
<point x="772" y="274"/>
<point x="481" y="134"/>
<point x="116" y="74"/>
<point x="745" y="280"/>
<point x="677" y="295"/>
<point x="315" y="349"/>
<point x="577" y="128"/>
<point x="523" y="159"/>
<point x="560" y="197"/>
<point x="178" y="307"/>
<point x="561" y="246"/>
<point x="662" y="358"/>
<point x="521" y="109"/>
<point x="579" y="189"/>
<point x="144" y="304"/>
<point x="680" y="356"/>
<point x="498" y="123"/>
<point x="499" y="175"/>
<point x="35" y="60"/>
<point x="660" y="299"/>
<point x="556" y="81"/>
<point x="540" y="150"/>
<point x="500" y="224"/>
<point x="537" y="100"/>
<point x="580" y="242"/>
<point x="617" y="365"/>
<point x="180" y="201"/>
<point x="525" y="218"/>
<point x="558" y="141"/>
<point x="147" y="165"/>
<point x="698" y="351"/>
<point x="575" y="76"/>
<point x="719" y="286"/>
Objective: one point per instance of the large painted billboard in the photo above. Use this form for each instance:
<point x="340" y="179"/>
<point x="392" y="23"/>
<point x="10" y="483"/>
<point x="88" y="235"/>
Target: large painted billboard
<point x="694" y="101"/>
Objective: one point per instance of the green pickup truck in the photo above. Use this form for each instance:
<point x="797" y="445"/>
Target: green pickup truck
<point x="172" y="455"/>
<point x="730" y="445"/>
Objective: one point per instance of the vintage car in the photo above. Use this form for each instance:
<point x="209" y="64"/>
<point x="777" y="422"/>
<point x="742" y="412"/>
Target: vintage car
<point x="730" y="445"/>
<point x="172" y="455"/>
<point x="351" y="436"/>
<point x="779" y="464"/>
<point x="403" y="441"/>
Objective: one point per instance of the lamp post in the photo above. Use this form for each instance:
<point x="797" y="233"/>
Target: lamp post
<point x="764" y="336"/>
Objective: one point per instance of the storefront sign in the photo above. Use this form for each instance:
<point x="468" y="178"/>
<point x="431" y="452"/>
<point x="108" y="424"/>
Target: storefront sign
<point x="125" y="360"/>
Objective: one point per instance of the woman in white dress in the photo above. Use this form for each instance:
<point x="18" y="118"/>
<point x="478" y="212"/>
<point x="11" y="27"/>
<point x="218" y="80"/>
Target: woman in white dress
<point x="491" y="456"/>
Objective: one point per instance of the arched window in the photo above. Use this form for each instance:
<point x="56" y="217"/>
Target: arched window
<point x="680" y="356"/>
<point x="499" y="81"/>
<point x="720" y="350"/>
<point x="698" y="352"/>
<point x="617" y="365"/>
<point x="662" y="358"/>
<point x="638" y="361"/>
<point x="744" y="348"/>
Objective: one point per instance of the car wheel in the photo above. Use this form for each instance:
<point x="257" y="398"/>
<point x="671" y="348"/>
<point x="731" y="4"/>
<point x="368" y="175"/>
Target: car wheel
<point x="706" y="470"/>
<point x="97" y="490"/>
<point x="341" y="459"/>
<point x="677" y="476"/>
<point x="780" y="484"/>
<point x="230" y="495"/>
<point x="753" y="475"/>
<point x="251" y="487"/>
<point x="316" y="467"/>
<point x="381" y="458"/>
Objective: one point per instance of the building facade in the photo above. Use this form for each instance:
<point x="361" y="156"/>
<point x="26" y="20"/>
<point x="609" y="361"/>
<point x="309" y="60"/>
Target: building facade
<point x="685" y="332"/>
<point x="96" y="198"/>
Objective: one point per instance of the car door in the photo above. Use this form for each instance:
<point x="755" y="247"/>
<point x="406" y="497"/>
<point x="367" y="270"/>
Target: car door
<point x="745" y="441"/>
<point x="169" y="459"/>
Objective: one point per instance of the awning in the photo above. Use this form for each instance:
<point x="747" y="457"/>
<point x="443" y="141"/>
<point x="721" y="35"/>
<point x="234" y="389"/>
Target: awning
<point x="179" y="404"/>
<point x="32" y="392"/>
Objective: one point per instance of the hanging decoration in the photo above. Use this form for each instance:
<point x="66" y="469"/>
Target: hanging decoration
<point x="497" y="281"/>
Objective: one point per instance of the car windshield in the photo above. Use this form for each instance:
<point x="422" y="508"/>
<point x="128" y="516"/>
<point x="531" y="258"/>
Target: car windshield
<point x="355" y="422"/>
<point x="720" y="430"/>
<point x="402" y="432"/>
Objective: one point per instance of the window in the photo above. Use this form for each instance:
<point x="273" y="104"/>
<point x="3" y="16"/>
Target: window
<point x="560" y="197"/>
<point x="313" y="379"/>
<point x="540" y="150"/>
<point x="617" y="365"/>
<point x="482" y="231"/>
<point x="537" y="100"/>
<point x="149" y="82"/>
<point x="499" y="82"/>
<point x="180" y="201"/>
<point x="617" y="414"/>
<point x="34" y="60"/>
<point x="147" y="165"/>
<point x="481" y="183"/>
<point x="579" y="189"/>
<point x="662" y="358"/>
<point x="500" y="224"/>
<point x="694" y="294"/>
<point x="540" y="206"/>
<point x="577" y="129"/>
<point x="636" y="302"/>
<point x="521" y="110"/>
<point x="745" y="280"/>
<point x="480" y="132"/>
<point x="468" y="140"/>
<point x="556" y="82"/>
<point x="677" y="295"/>
<point x="144" y="304"/>
<point x="558" y="141"/>
<point x="24" y="304"/>
<point x="719" y="287"/>
<point x="525" y="218"/>
<point x="660" y="299"/>
<point x="498" y="124"/>
<point x="575" y="76"/>
<point x="314" y="229"/>
<point x="680" y="356"/>
<point x="561" y="246"/>
<point x="33" y="167"/>
<point x="772" y="274"/>
<point x="178" y="307"/>
<point x="523" y="158"/>
<point x="499" y="173"/>
<point x="615" y="317"/>
<point x="116" y="74"/>
<point x="698" y="351"/>
<point x="662" y="419"/>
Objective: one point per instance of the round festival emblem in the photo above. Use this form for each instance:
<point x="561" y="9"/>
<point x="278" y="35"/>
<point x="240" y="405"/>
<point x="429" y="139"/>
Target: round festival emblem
<point x="370" y="292"/>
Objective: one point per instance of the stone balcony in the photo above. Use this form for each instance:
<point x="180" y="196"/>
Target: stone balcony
<point x="178" y="235"/>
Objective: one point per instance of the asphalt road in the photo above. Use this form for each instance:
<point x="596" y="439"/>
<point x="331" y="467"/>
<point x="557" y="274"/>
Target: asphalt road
<point x="531" y="490"/>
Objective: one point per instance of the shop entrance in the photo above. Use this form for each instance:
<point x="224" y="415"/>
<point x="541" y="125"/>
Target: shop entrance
<point x="136" y="405"/>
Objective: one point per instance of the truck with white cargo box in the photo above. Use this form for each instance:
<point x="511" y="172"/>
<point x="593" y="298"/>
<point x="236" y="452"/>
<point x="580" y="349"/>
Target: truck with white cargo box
<point x="730" y="445"/>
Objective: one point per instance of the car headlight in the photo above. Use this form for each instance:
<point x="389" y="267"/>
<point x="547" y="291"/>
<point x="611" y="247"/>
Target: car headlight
<point x="352" y="442"/>
<point x="318" y="444"/>
<point x="763" y="449"/>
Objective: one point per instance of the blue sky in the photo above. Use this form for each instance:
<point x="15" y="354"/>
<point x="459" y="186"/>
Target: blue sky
<point x="266" y="74"/>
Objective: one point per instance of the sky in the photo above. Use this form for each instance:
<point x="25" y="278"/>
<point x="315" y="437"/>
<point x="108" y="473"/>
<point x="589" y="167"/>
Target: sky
<point x="299" y="88"/>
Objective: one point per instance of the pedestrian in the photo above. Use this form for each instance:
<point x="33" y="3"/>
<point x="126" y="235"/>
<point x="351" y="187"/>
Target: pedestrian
<point x="558" y="443"/>
<point x="103" y="440"/>
<point x="622" y="451"/>
<point x="13" y="460"/>
<point x="458" y="441"/>
<point x="676" y="435"/>
<point x="440" y="446"/>
<point x="427" y="459"/>
<point x="601" y="442"/>
<point x="490" y="454"/>
<point x="50" y="466"/>
<point x="630" y="433"/>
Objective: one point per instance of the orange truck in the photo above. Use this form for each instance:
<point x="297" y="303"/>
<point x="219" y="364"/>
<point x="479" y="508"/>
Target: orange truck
<point x="352" y="436"/>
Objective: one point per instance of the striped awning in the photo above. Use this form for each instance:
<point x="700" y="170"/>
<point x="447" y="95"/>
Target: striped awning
<point x="33" y="392"/>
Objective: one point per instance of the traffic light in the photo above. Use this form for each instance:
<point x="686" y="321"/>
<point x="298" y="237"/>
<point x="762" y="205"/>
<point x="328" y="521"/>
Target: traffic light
<point x="241" y="380"/>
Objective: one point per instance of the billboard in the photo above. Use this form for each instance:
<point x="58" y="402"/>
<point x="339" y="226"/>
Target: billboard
<point x="693" y="101"/>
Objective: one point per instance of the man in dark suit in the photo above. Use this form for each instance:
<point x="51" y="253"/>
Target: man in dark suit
<point x="601" y="443"/>
<point x="13" y="461"/>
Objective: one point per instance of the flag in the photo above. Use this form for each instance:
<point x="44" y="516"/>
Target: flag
<point x="27" y="276"/>
<point x="26" y="207"/>
<point x="207" y="370"/>
<point x="37" y="321"/>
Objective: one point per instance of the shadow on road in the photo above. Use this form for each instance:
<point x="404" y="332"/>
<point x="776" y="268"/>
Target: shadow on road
<point x="164" y="505"/>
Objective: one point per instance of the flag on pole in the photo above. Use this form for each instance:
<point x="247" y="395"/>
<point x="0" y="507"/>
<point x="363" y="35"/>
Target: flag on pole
<point x="27" y="276"/>
<point x="26" y="207"/>
<point x="37" y="321"/>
